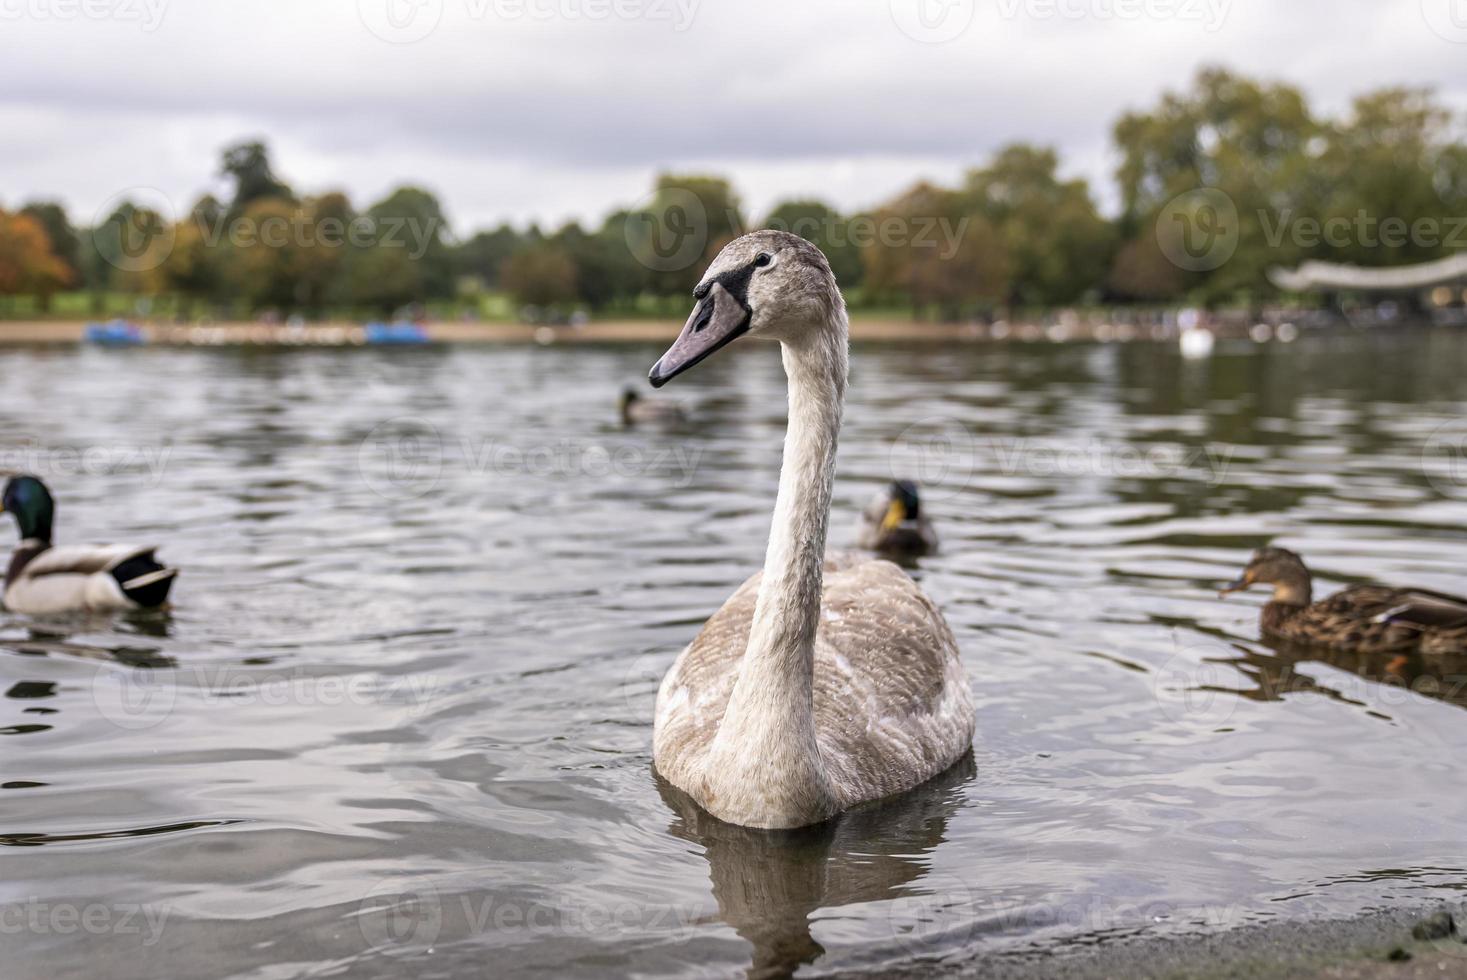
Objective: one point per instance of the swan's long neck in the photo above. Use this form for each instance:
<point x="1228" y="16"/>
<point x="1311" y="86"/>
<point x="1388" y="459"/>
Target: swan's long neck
<point x="788" y="609"/>
<point x="767" y="739"/>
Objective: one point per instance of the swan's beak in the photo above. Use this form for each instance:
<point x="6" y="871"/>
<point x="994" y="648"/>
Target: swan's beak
<point x="717" y="321"/>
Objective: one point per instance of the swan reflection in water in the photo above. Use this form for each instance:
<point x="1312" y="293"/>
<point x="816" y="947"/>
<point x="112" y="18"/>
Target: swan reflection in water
<point x="769" y="884"/>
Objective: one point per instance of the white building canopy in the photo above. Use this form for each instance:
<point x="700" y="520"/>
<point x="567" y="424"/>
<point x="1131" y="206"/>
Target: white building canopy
<point x="1318" y="276"/>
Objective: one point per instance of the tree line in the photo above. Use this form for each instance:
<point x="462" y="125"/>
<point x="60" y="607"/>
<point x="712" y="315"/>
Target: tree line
<point x="1216" y="184"/>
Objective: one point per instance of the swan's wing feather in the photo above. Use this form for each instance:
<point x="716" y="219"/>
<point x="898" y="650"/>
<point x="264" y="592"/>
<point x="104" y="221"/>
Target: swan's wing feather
<point x="696" y="689"/>
<point x="891" y="700"/>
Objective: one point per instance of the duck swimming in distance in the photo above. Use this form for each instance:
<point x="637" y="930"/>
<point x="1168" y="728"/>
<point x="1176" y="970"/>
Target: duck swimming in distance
<point x="45" y="580"/>
<point x="895" y="523"/>
<point x="1363" y="619"/>
<point x="636" y="410"/>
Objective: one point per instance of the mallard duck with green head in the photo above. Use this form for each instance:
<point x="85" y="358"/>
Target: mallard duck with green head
<point x="1363" y="619"/>
<point x="45" y="580"/>
<point x="895" y="524"/>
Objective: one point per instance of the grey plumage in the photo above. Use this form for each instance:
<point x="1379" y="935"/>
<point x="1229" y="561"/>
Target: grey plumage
<point x="823" y="682"/>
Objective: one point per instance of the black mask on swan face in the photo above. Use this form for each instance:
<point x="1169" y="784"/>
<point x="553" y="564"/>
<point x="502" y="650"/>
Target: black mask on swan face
<point x="28" y="499"/>
<point x="766" y="284"/>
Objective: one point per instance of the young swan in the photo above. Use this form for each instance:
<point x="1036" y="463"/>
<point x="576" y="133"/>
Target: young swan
<point x="1364" y="619"/>
<point x="823" y="682"/>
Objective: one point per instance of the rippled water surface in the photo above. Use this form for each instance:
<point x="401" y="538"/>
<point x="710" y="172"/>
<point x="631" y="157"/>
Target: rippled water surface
<point x="399" y="723"/>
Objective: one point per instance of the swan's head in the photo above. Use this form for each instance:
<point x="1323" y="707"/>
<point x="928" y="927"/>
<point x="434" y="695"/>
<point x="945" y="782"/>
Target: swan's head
<point x="28" y="499"/>
<point x="766" y="284"/>
<point x="1280" y="568"/>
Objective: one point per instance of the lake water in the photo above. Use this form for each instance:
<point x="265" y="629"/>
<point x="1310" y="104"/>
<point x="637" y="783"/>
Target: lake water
<point x="399" y="723"/>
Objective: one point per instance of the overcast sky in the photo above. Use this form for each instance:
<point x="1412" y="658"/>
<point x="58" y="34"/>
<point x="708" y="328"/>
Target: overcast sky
<point x="549" y="109"/>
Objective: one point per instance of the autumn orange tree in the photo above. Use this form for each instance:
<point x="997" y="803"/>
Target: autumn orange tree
<point x="926" y="247"/>
<point x="27" y="264"/>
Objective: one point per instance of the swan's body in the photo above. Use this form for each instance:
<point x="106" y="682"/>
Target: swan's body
<point x="43" y="580"/>
<point x="822" y="683"/>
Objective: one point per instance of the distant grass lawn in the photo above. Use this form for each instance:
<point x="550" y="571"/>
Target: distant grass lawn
<point x="488" y="307"/>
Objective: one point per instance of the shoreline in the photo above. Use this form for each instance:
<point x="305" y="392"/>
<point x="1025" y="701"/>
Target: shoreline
<point x="1360" y="948"/>
<point x="342" y="334"/>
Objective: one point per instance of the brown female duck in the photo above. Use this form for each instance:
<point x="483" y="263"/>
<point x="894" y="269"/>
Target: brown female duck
<point x="1364" y="619"/>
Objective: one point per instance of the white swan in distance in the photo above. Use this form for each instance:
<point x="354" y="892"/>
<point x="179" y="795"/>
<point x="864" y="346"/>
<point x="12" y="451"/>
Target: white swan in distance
<point x="823" y="682"/>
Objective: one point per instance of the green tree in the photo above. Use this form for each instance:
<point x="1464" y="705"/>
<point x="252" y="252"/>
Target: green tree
<point x="604" y="271"/>
<point x="248" y="165"/>
<point x="542" y="274"/>
<point x="1396" y="176"/>
<point x="483" y="256"/>
<point x="822" y="225"/>
<point x="940" y="258"/>
<point x="688" y="222"/>
<point x="1252" y="141"/>
<point x="192" y="270"/>
<point x="411" y="220"/>
<point x="1058" y="245"/>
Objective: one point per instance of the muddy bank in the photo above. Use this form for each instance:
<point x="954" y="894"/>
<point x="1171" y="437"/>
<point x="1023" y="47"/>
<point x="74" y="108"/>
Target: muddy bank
<point x="1399" y="945"/>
